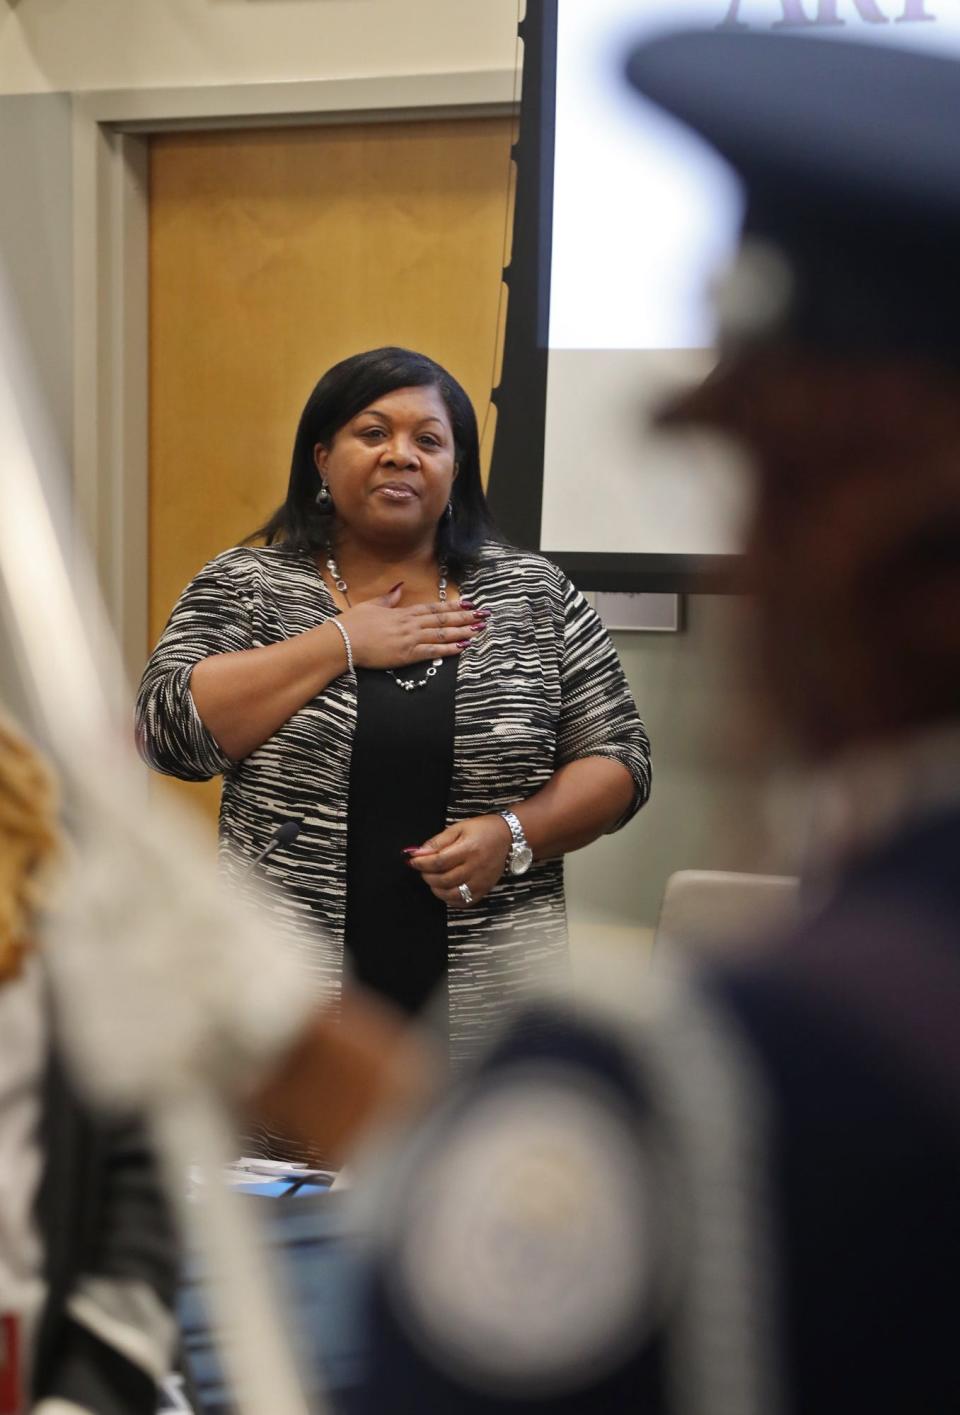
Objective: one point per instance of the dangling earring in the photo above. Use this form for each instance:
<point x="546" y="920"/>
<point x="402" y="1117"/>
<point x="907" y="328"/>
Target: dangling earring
<point x="323" y="498"/>
<point x="448" y="513"/>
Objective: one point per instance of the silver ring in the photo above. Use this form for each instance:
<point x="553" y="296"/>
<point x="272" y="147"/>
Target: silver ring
<point x="464" y="892"/>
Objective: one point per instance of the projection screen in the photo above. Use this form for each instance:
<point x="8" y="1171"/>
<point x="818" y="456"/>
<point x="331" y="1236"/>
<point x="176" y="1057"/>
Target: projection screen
<point x="623" y="220"/>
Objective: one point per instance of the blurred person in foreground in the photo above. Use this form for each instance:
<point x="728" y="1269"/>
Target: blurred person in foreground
<point x="88" y="1252"/>
<point x="87" y="1262"/>
<point x="738" y="1192"/>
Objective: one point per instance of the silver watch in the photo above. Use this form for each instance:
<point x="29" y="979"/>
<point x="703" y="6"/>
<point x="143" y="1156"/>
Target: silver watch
<point x="520" y="857"/>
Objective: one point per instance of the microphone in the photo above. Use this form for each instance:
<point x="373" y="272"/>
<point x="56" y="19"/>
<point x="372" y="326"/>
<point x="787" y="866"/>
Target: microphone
<point x="285" y="834"/>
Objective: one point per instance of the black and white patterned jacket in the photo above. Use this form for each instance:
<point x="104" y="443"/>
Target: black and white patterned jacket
<point x="541" y="687"/>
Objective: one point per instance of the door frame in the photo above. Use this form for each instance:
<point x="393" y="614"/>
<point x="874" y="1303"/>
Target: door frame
<point x="111" y="132"/>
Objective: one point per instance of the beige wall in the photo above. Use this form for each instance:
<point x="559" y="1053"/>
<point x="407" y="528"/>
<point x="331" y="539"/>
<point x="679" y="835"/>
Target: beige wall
<point x="122" y="44"/>
<point x="711" y="779"/>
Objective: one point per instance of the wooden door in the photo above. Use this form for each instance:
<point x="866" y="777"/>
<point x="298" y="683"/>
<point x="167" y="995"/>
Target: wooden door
<point x="272" y="255"/>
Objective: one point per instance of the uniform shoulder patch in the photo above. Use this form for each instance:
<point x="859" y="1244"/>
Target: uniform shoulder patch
<point x="523" y="1248"/>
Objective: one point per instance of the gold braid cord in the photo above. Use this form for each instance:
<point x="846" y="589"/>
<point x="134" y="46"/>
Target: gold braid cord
<point x="28" y="841"/>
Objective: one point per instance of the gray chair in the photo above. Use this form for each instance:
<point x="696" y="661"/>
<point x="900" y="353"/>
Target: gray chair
<point x="721" y="913"/>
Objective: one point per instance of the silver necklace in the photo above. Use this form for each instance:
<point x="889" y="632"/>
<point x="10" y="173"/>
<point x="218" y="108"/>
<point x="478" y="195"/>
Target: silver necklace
<point x="408" y="684"/>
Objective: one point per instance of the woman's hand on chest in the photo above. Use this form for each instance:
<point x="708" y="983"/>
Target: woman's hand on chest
<point x="385" y="635"/>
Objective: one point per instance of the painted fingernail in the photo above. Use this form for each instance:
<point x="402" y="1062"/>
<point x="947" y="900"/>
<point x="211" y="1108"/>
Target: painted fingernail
<point x="485" y="612"/>
<point x="411" y="850"/>
<point x="464" y="645"/>
<point x="467" y="604"/>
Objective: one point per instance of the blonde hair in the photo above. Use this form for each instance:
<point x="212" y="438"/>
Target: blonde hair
<point x="29" y="840"/>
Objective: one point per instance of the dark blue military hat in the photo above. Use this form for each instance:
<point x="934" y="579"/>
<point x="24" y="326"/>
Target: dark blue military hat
<point x="850" y="156"/>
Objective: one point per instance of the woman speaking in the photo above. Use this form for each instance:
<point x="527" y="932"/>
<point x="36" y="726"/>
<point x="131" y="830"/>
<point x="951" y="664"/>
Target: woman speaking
<point x="443" y="716"/>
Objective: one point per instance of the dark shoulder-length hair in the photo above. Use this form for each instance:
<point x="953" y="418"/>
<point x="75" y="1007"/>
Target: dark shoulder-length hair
<point x="343" y="392"/>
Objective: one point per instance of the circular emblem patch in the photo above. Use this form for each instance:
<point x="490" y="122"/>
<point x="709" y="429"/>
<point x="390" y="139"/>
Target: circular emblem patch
<point x="522" y="1250"/>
